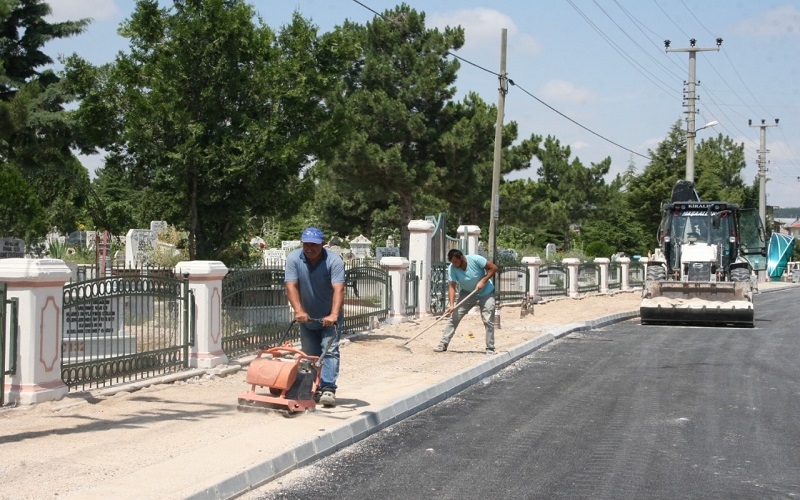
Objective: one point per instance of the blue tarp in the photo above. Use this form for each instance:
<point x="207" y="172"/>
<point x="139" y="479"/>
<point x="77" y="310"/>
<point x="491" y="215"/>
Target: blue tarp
<point x="778" y="254"/>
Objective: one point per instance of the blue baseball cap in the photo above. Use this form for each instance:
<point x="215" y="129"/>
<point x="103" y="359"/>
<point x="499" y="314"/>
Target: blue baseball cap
<point x="312" y="235"/>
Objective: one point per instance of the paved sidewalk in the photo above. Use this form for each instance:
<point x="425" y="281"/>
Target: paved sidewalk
<point x="187" y="440"/>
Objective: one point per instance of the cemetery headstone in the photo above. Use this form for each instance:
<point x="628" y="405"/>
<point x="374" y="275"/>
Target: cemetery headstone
<point x="12" y="248"/>
<point x="360" y="246"/>
<point x="550" y="250"/>
<point x="139" y="246"/>
<point x="158" y="226"/>
<point x="381" y="252"/>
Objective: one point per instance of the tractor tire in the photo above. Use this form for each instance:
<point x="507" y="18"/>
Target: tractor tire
<point x="740" y="274"/>
<point x="656" y="273"/>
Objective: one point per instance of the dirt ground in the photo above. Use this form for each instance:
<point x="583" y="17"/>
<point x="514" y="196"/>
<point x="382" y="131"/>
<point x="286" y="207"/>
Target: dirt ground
<point x="170" y="440"/>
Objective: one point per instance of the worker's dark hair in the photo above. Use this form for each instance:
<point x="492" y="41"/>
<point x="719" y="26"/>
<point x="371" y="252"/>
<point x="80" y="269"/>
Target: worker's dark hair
<point x="454" y="253"/>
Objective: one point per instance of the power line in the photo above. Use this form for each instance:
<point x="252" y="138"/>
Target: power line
<point x="522" y="89"/>
<point x="578" y="124"/>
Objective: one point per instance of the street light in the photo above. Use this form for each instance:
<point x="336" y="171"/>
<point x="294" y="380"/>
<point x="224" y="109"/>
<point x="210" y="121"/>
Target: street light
<point x="690" y="135"/>
<point x="708" y="125"/>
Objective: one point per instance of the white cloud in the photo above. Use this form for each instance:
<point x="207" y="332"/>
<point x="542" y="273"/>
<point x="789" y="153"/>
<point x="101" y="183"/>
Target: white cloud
<point x="780" y="21"/>
<point x="482" y="28"/>
<point x="72" y="10"/>
<point x="566" y="92"/>
<point x="579" y="145"/>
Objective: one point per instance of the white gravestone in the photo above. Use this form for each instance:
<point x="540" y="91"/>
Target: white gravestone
<point x="288" y="246"/>
<point x="360" y="246"/>
<point x="139" y="246"/>
<point x="158" y="226"/>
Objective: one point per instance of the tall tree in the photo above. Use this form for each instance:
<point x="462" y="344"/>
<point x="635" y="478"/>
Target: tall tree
<point x="211" y="115"/>
<point x="36" y="133"/>
<point x="396" y="96"/>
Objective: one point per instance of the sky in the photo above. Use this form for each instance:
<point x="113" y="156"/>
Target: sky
<point x="594" y="74"/>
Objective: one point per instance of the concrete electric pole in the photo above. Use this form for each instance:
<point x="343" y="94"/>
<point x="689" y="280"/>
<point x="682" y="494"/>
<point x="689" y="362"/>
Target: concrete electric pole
<point x="690" y="97"/>
<point x="762" y="170"/>
<point x="498" y="150"/>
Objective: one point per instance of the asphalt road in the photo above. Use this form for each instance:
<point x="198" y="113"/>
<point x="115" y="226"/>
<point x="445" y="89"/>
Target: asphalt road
<point x="627" y="411"/>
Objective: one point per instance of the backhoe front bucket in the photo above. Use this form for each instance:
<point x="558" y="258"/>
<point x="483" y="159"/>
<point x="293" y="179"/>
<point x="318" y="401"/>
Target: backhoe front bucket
<point x="690" y="302"/>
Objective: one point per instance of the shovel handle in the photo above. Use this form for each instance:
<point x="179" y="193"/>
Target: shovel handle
<point x="443" y="316"/>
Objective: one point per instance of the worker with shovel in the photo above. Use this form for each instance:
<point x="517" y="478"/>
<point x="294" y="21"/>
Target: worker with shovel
<point x="472" y="276"/>
<point x="315" y="288"/>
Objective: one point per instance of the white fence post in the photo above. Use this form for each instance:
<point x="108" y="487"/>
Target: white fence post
<point x="572" y="269"/>
<point x="603" y="263"/>
<point x="472" y="235"/>
<point x="205" y="281"/>
<point x="534" y="264"/>
<point x="38" y="285"/>
<point x="624" y="266"/>
<point x="397" y="267"/>
<point x="420" y="247"/>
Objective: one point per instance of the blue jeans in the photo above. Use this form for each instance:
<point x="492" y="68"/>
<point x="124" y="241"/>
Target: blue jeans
<point x="486" y="303"/>
<point x="313" y="341"/>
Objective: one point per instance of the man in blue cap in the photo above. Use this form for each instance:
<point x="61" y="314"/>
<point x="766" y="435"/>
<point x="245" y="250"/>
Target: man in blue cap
<point x="315" y="289"/>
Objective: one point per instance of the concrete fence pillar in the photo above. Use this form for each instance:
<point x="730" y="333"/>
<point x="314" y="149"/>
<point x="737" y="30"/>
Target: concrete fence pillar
<point x="420" y="246"/>
<point x="602" y="264"/>
<point x="470" y="234"/>
<point x="534" y="264"/>
<point x="624" y="270"/>
<point x="38" y="285"/>
<point x="205" y="281"/>
<point x="397" y="267"/>
<point x="572" y="271"/>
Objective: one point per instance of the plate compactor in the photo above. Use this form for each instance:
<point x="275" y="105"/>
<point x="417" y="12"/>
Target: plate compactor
<point x="289" y="376"/>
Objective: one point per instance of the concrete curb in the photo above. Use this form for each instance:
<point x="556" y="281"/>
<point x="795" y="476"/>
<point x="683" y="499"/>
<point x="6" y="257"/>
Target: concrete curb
<point x="371" y="422"/>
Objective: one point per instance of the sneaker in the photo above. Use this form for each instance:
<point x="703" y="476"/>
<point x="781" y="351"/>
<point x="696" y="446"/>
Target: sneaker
<point x="440" y="348"/>
<point x="328" y="398"/>
<point x="317" y="395"/>
<point x="490" y="352"/>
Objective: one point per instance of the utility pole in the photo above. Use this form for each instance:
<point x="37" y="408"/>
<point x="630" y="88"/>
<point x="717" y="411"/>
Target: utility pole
<point x="498" y="150"/>
<point x="762" y="170"/>
<point x="690" y="97"/>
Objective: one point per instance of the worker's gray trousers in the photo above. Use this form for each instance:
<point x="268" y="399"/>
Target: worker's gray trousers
<point x="486" y="304"/>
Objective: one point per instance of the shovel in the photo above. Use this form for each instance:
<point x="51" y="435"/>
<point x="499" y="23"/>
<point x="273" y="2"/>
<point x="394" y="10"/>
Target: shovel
<point x="443" y="316"/>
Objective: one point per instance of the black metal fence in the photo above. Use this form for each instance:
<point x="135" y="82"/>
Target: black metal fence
<point x="412" y="290"/>
<point x="553" y="280"/>
<point x="614" y="276"/>
<point x="129" y="327"/>
<point x="636" y="274"/>
<point x="511" y="283"/>
<point x="588" y="277"/>
<point x="9" y="328"/>
<point x="256" y="312"/>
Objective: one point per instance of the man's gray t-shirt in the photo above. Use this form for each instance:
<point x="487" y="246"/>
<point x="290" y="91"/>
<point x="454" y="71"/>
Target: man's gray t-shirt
<point x="315" y="282"/>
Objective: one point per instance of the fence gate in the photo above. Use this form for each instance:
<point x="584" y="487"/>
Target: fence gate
<point x="412" y="290"/>
<point x="124" y="328"/>
<point x="8" y="338"/>
<point x="255" y="311"/>
<point x="511" y="283"/>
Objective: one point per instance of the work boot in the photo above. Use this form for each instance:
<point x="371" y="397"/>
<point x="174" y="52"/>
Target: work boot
<point x="328" y="398"/>
<point x="440" y="348"/>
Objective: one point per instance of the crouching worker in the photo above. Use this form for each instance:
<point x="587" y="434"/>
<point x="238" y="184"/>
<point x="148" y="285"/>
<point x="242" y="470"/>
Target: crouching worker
<point x="468" y="273"/>
<point x="315" y="289"/>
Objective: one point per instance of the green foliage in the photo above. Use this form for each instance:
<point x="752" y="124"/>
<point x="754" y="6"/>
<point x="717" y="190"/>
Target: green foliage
<point x="36" y="133"/>
<point x="201" y="118"/>
<point x="599" y="249"/>
<point x="21" y="214"/>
